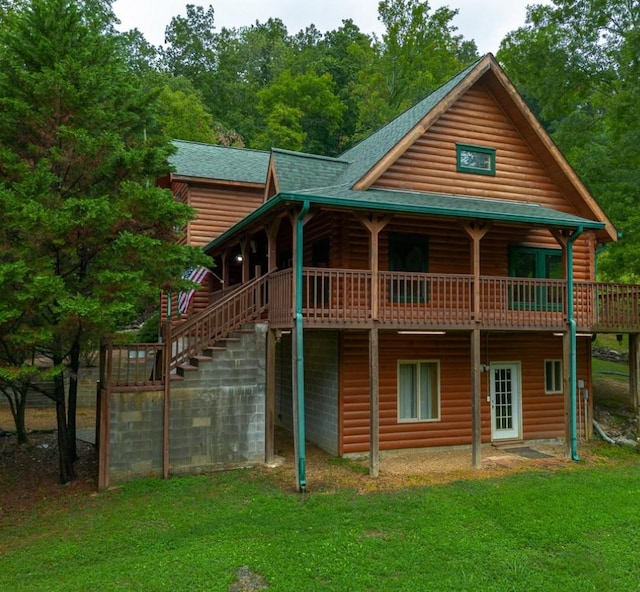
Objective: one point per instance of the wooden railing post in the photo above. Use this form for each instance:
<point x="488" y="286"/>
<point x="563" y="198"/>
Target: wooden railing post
<point x="166" y="404"/>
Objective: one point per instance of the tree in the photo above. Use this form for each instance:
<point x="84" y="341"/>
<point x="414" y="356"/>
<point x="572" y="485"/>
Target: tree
<point x="301" y="112"/>
<point x="88" y="238"/>
<point x="576" y="63"/>
<point x="419" y="52"/>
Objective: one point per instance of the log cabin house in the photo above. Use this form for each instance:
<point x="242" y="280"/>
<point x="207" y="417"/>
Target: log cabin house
<point x="434" y="285"/>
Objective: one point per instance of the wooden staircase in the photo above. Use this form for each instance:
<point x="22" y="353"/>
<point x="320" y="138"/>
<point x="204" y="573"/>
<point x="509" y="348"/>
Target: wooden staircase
<point x="189" y="341"/>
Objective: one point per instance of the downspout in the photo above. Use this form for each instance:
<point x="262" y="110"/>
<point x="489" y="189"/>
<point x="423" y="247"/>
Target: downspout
<point x="300" y="345"/>
<point x="573" y="370"/>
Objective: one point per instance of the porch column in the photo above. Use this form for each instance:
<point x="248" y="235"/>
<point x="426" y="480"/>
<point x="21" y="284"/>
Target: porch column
<point x="374" y="225"/>
<point x="224" y="260"/>
<point x="244" y="251"/>
<point x="272" y="253"/>
<point x="270" y="403"/>
<point x="476" y="232"/>
<point x="374" y="403"/>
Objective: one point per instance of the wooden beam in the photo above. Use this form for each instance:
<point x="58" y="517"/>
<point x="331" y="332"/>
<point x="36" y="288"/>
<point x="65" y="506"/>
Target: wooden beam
<point x="166" y="403"/>
<point x="476" y="401"/>
<point x="374" y="225"/>
<point x="476" y="232"/>
<point x="374" y="403"/>
<point x="270" y="403"/>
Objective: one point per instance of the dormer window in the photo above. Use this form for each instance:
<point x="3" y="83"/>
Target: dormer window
<point x="476" y="159"/>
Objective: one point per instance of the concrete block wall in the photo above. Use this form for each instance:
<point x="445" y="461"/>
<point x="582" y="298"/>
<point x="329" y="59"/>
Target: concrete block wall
<point x="217" y="416"/>
<point x="321" y="387"/>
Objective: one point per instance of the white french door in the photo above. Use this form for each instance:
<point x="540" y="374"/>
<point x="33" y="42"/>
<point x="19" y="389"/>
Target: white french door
<point x="505" y="401"/>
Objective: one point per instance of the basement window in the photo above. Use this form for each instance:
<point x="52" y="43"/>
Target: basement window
<point x="476" y="159"/>
<point x="418" y="390"/>
<point x="553" y="377"/>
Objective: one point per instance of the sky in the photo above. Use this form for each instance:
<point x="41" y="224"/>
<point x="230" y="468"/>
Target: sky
<point x="485" y="21"/>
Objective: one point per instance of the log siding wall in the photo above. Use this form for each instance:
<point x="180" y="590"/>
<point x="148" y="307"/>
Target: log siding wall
<point x="542" y="414"/>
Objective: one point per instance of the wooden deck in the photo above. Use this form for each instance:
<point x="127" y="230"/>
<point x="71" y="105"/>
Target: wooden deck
<point x="343" y="298"/>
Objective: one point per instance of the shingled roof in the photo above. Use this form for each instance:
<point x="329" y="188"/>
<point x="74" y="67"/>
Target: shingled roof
<point x="208" y="161"/>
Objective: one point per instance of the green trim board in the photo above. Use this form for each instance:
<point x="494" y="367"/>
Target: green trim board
<point x="416" y="203"/>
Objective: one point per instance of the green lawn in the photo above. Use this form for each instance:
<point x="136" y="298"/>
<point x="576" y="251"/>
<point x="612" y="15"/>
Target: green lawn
<point x="566" y="530"/>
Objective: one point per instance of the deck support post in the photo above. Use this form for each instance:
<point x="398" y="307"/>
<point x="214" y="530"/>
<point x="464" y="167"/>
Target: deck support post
<point x="566" y="387"/>
<point x="374" y="403"/>
<point x="634" y="371"/>
<point x="103" y="414"/>
<point x="166" y="403"/>
<point x="476" y="401"/>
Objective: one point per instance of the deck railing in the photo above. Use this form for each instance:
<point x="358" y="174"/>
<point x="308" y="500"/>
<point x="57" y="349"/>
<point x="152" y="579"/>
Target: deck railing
<point x="507" y="302"/>
<point x="137" y="365"/>
<point x="607" y="307"/>
<point x="336" y="296"/>
<point x="344" y="297"/>
<point x="241" y="306"/>
<point x="437" y="300"/>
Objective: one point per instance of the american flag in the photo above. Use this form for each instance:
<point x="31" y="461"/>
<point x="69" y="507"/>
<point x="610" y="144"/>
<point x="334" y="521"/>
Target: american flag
<point x="194" y="274"/>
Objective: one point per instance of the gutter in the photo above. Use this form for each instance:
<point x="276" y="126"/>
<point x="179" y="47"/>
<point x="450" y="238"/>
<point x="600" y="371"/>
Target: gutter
<point x="301" y="469"/>
<point x="572" y="346"/>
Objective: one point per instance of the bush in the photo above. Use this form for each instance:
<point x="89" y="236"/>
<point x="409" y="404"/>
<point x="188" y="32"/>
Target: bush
<point x="150" y="330"/>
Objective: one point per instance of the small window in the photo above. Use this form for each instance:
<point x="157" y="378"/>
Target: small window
<point x="476" y="159"/>
<point x="553" y="377"/>
<point x="418" y="391"/>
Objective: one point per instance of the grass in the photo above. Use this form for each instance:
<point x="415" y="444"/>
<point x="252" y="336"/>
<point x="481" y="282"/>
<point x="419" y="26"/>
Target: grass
<point x="566" y="530"/>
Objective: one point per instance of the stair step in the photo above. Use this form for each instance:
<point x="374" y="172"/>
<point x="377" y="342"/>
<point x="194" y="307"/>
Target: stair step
<point x="184" y="368"/>
<point x="214" y="348"/>
<point x="202" y="358"/>
<point x="176" y="377"/>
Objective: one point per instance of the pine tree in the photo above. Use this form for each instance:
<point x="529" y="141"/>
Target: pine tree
<point x="88" y="238"/>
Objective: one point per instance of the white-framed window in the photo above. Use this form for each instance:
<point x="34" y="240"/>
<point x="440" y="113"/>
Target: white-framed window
<point x="418" y="390"/>
<point x="553" y="377"/>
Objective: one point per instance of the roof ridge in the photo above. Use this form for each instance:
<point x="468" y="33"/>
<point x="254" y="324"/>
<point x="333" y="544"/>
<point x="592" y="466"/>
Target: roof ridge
<point x="310" y="155"/>
<point x="209" y="145"/>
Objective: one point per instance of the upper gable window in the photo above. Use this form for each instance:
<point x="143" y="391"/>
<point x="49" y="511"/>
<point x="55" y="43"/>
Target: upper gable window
<point x="476" y="159"/>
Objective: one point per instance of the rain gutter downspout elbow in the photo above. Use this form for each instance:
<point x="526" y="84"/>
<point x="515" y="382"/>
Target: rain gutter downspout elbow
<point x="572" y="346"/>
<point x="300" y="345"/>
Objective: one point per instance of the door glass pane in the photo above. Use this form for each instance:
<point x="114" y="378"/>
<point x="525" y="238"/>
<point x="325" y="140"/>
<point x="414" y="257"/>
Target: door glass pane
<point x="503" y="399"/>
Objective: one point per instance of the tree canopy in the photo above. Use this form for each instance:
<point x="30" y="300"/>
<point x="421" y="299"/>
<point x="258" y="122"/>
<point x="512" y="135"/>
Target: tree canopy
<point x="88" y="239"/>
<point x="577" y="64"/>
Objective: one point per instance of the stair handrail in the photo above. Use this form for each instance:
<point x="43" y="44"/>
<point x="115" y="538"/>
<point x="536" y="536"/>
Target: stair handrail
<point x="216" y="322"/>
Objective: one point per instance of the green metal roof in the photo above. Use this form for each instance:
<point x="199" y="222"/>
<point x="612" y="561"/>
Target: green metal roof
<point x="209" y="161"/>
<point x="298" y="171"/>
<point x="364" y="155"/>
<point x="425" y="204"/>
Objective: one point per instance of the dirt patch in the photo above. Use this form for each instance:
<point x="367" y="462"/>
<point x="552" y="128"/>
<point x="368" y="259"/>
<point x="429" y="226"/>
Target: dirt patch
<point x="29" y="473"/>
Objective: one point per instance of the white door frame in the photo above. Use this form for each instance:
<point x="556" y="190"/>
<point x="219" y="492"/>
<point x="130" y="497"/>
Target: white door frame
<point x="506" y="408"/>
